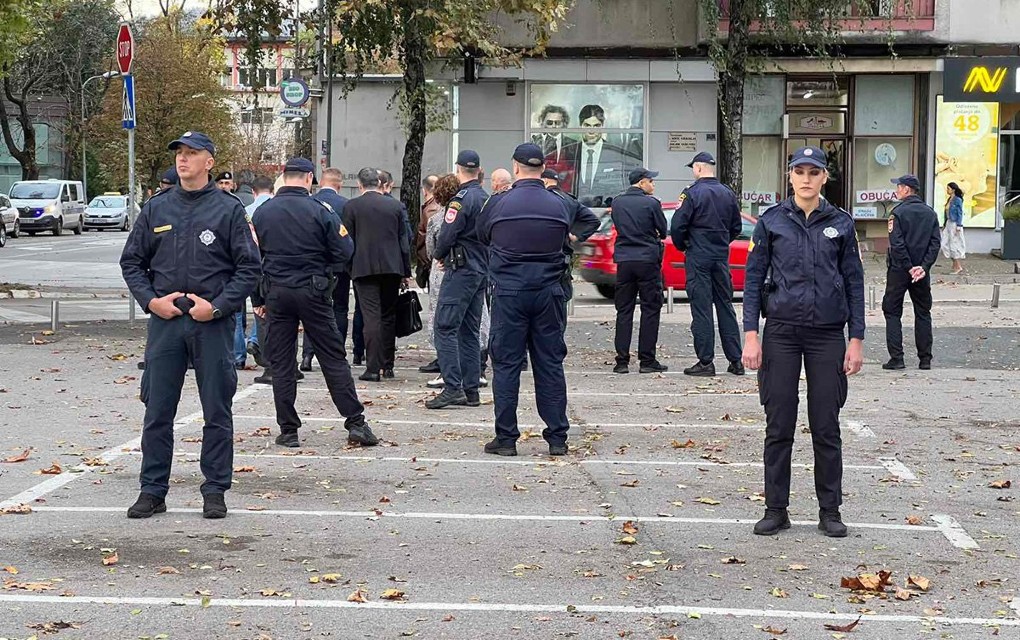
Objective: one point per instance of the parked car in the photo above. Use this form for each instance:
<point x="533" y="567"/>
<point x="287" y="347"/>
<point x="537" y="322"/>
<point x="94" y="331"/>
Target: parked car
<point x="597" y="266"/>
<point x="9" y="225"/>
<point x="108" y="211"/>
<point x="49" y="205"/>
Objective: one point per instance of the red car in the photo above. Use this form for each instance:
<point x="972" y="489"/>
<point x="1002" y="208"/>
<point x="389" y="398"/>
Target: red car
<point x="597" y="266"/>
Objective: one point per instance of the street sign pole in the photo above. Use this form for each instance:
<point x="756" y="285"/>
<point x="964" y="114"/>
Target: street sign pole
<point x="125" y="49"/>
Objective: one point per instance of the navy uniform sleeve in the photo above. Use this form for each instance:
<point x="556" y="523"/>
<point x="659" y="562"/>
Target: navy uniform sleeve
<point x="585" y="222"/>
<point x="660" y="219"/>
<point x="852" y="270"/>
<point x="135" y="260"/>
<point x="247" y="265"/>
<point x="484" y="224"/>
<point x="681" y="221"/>
<point x="934" y="245"/>
<point x="898" y="243"/>
<point x="759" y="255"/>
<point x="736" y="226"/>
<point x="453" y="222"/>
<point x="339" y="246"/>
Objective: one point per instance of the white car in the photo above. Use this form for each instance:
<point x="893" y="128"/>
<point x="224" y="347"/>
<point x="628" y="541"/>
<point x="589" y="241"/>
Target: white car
<point x="108" y="211"/>
<point x="49" y="205"/>
<point x="9" y="224"/>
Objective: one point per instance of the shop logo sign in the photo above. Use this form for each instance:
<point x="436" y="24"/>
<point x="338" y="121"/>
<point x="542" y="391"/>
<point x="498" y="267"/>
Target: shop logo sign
<point x="988" y="82"/>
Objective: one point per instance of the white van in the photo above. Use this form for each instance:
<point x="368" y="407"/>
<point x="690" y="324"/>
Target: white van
<point x="49" y="205"/>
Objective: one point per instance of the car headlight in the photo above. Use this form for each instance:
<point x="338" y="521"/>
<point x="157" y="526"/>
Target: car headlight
<point x="50" y="208"/>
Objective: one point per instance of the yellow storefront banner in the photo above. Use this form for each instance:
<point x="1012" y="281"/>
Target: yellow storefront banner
<point x="967" y="153"/>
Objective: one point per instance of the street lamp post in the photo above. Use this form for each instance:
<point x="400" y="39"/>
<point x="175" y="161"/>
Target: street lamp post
<point x="84" y="165"/>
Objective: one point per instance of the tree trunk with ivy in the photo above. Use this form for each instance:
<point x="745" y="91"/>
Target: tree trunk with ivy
<point x="26" y="155"/>
<point x="413" y="53"/>
<point x="732" y="76"/>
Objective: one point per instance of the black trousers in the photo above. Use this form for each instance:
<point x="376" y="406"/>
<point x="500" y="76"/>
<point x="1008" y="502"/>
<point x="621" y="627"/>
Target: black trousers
<point x="378" y="298"/>
<point x="896" y="285"/>
<point x="341" y="309"/>
<point x="709" y="285"/>
<point x="287" y="307"/>
<point x="633" y="279"/>
<point x="170" y="346"/>
<point x="784" y="348"/>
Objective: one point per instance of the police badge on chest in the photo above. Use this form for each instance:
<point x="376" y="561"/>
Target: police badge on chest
<point x="207" y="237"/>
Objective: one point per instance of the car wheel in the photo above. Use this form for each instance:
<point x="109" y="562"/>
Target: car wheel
<point x="606" y="290"/>
<point x="58" y="228"/>
<point x="81" y="225"/>
<point x="31" y="233"/>
<point x="3" y="235"/>
<point x="126" y="226"/>
<point x="16" y="231"/>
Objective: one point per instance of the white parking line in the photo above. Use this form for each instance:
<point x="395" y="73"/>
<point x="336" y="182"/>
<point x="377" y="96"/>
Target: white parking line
<point x="606" y="425"/>
<point x="860" y="429"/>
<point x="372" y="391"/>
<point x="897" y="468"/>
<point x="954" y="532"/>
<point x="6" y="313"/>
<point x="490" y="607"/>
<point x="518" y="462"/>
<point x="56" y="482"/>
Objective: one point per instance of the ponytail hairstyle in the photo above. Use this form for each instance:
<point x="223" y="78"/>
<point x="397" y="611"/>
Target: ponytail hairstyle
<point x="957" y="191"/>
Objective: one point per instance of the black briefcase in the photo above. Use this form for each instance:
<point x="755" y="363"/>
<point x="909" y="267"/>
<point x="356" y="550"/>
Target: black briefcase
<point x="408" y="314"/>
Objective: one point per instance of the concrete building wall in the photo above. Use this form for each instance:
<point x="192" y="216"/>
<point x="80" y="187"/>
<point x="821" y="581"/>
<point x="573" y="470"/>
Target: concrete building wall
<point x="977" y="21"/>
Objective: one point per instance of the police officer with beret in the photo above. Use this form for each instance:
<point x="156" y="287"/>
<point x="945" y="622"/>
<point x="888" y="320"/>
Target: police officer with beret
<point x="190" y="262"/>
<point x="458" y="316"/>
<point x="640" y="230"/>
<point x="914" y="243"/>
<point x="225" y="181"/>
<point x="703" y="228"/>
<point x="583" y="223"/>
<point x="303" y="245"/>
<point x="525" y="229"/>
<point x="804" y="273"/>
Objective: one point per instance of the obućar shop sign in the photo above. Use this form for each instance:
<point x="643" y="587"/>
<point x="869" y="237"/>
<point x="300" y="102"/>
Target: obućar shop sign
<point x="876" y="195"/>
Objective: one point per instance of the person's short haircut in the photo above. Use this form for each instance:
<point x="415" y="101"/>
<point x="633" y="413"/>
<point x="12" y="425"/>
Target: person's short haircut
<point x="589" y="110"/>
<point x="553" y="108"/>
<point x="246" y="176"/>
<point x="474" y="172"/>
<point x="446" y="187"/>
<point x="385" y="177"/>
<point x="262" y="184"/>
<point x="332" y="175"/>
<point x="295" y="175"/>
<point x="428" y="183"/>
<point x="369" y="178"/>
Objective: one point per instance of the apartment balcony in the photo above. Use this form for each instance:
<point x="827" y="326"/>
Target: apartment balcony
<point x="875" y="16"/>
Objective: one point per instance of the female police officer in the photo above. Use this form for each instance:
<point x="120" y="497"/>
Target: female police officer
<point x="804" y="273"/>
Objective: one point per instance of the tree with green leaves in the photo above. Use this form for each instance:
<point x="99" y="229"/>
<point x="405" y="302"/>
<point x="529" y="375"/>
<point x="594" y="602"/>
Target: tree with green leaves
<point x="759" y="30"/>
<point x="413" y="32"/>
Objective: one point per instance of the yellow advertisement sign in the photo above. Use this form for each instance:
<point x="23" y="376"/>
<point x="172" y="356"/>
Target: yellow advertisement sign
<point x="967" y="153"/>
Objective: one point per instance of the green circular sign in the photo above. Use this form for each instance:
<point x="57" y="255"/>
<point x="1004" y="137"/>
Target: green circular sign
<point x="294" y="92"/>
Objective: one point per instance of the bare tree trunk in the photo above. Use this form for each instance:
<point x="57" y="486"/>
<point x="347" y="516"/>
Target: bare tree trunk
<point x="731" y="96"/>
<point x="25" y="156"/>
<point x="413" y="54"/>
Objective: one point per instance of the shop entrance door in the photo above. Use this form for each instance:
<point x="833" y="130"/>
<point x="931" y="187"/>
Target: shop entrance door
<point x="835" y="155"/>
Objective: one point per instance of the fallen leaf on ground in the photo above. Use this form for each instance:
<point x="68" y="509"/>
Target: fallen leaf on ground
<point x="674" y="410"/>
<point x="94" y="462"/>
<point x="843" y="628"/>
<point x="629" y="527"/>
<point x="733" y="560"/>
<point x="118" y="357"/>
<point x="915" y="520"/>
<point x="774" y="631"/>
<point x="270" y="592"/>
<point x="920" y="582"/>
<point x="711" y="501"/>
<point x="166" y="571"/>
<point x="683" y="445"/>
<point x="18" y="509"/>
<point x="384" y="499"/>
<point x="778" y="593"/>
<point x="633" y="483"/>
<point x="867" y="582"/>
<point x="1001" y="484"/>
<point x="331" y="577"/>
<point x="357" y="596"/>
<point x="245" y="469"/>
<point x="627" y="540"/>
<point x="903" y="594"/>
<point x="11" y="585"/>
<point x="518" y="487"/>
<point x="12" y="570"/>
<point x="798" y="567"/>
<point x="392" y="594"/>
<point x="21" y="457"/>
<point x="124" y="379"/>
<point x="111" y="559"/>
<point x="53" y="627"/>
<point x="52" y="470"/>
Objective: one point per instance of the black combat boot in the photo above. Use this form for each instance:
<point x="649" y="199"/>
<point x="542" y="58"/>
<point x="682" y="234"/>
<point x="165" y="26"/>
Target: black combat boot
<point x="775" y="520"/>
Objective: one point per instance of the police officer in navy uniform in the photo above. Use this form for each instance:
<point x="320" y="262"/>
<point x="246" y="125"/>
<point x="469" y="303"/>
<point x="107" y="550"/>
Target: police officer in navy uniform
<point x="190" y="262"/>
<point x="459" y="312"/>
<point x="303" y="244"/>
<point x="525" y="229"/>
<point x="583" y="223"/>
<point x="804" y="273"/>
<point x="703" y="228"/>
<point x="914" y="243"/>
<point x="640" y="230"/>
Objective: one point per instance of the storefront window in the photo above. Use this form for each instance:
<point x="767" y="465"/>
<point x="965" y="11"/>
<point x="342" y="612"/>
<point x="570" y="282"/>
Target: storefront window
<point x="819" y="92"/>
<point x="763" y="105"/>
<point x="761" y="172"/>
<point x="876" y="162"/>
<point x="884" y="105"/>
<point x="591" y="134"/>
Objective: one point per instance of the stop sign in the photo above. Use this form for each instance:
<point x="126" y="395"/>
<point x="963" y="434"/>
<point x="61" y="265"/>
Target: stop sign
<point x="125" y="48"/>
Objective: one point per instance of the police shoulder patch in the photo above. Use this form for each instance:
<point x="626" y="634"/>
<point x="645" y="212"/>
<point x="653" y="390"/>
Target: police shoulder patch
<point x="451" y="215"/>
<point x="891" y="223"/>
<point x="461" y="193"/>
<point x="456" y="205"/>
<point x="343" y="231"/>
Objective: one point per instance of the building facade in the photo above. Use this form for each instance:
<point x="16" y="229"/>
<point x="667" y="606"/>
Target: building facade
<point x="629" y="84"/>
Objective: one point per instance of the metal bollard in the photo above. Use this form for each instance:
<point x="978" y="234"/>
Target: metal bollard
<point x="570" y="307"/>
<point x="131" y="309"/>
<point x="871" y="296"/>
<point x="669" y="300"/>
<point x="54" y="315"/>
<point x="996" y="289"/>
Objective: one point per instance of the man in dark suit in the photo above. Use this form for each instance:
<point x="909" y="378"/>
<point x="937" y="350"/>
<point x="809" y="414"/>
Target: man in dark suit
<point x="602" y="165"/>
<point x="382" y="258"/>
<point x="329" y="192"/>
<point x="560" y="149"/>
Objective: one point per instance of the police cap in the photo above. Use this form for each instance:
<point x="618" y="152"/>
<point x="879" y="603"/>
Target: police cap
<point x="299" y="165"/>
<point x="195" y="140"/>
<point x="549" y="174"/>
<point x="908" y="181"/>
<point x="468" y="158"/>
<point x="703" y="157"/>
<point x="812" y="156"/>
<point x="170" y="176"/>
<point x="637" y="175"/>
<point x="225" y="175"/>
<point x="529" y="154"/>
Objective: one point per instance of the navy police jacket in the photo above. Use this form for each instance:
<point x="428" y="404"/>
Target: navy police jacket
<point x="583" y="222"/>
<point x="300" y="237"/>
<point x="194" y="242"/>
<point x="460" y="226"/>
<point x="525" y="228"/>
<point x="707" y="221"/>
<point x="816" y="268"/>
<point x="640" y="227"/>
<point x="914" y="239"/>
